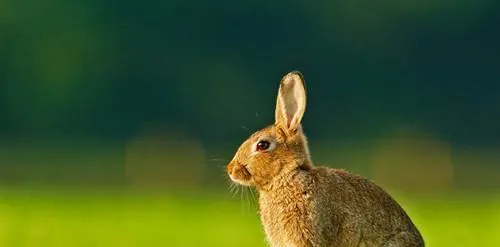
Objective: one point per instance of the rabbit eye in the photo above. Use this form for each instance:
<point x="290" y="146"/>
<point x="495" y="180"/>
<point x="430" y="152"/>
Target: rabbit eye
<point x="263" y="145"/>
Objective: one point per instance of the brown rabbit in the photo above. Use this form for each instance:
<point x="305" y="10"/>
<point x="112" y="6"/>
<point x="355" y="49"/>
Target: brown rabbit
<point x="302" y="205"/>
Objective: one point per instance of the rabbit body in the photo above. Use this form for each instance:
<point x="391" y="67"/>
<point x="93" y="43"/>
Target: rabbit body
<point x="330" y="207"/>
<point x="306" y="206"/>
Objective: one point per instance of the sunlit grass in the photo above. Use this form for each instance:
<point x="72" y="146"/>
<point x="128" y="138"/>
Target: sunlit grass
<point x="82" y="218"/>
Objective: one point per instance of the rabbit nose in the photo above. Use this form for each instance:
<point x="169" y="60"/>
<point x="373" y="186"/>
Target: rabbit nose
<point x="229" y="168"/>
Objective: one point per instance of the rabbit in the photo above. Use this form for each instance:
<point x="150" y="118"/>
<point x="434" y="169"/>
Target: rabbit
<point x="302" y="205"/>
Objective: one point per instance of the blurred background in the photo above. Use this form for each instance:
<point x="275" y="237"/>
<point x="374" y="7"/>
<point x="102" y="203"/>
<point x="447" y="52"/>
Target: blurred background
<point x="118" y="118"/>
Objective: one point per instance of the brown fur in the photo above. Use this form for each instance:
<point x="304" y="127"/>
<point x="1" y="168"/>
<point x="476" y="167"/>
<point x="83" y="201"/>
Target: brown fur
<point x="302" y="205"/>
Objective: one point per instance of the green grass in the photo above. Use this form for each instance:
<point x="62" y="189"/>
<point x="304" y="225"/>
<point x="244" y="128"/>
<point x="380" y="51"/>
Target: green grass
<point x="82" y="218"/>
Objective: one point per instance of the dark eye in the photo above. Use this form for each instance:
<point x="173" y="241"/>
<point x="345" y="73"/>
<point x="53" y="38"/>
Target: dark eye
<point x="263" y="145"/>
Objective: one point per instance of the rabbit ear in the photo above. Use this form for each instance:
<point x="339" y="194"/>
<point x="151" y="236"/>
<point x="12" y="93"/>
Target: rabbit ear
<point x="291" y="102"/>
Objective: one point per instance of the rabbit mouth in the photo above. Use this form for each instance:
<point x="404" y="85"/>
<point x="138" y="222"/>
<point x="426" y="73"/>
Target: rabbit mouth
<point x="240" y="174"/>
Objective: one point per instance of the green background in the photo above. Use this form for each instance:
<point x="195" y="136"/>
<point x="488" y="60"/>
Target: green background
<point x="118" y="118"/>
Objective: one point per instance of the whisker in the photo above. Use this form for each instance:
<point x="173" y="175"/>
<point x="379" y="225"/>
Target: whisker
<point x="253" y="195"/>
<point x="233" y="189"/>
<point x="221" y="170"/>
<point x="245" y="128"/>
<point x="249" y="202"/>
<point x="217" y="159"/>
<point x="236" y="191"/>
<point x="219" y="163"/>
<point x="241" y="200"/>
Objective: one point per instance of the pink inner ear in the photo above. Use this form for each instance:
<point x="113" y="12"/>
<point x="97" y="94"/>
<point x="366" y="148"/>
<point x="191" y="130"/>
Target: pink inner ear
<point x="289" y="102"/>
<point x="289" y="95"/>
<point x="290" y="109"/>
<point x="289" y="119"/>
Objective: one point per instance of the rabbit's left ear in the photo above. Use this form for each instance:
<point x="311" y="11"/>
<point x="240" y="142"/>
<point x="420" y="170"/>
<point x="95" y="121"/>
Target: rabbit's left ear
<point x="291" y="102"/>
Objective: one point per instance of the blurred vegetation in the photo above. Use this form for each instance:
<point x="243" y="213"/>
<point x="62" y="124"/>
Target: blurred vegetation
<point x="158" y="95"/>
<point x="103" y="69"/>
<point x="117" y="218"/>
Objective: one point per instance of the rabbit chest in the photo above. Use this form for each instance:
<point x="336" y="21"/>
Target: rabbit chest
<point x="290" y="218"/>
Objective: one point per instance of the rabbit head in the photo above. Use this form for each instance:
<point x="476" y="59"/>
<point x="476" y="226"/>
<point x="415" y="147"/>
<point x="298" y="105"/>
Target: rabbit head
<point x="273" y="152"/>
